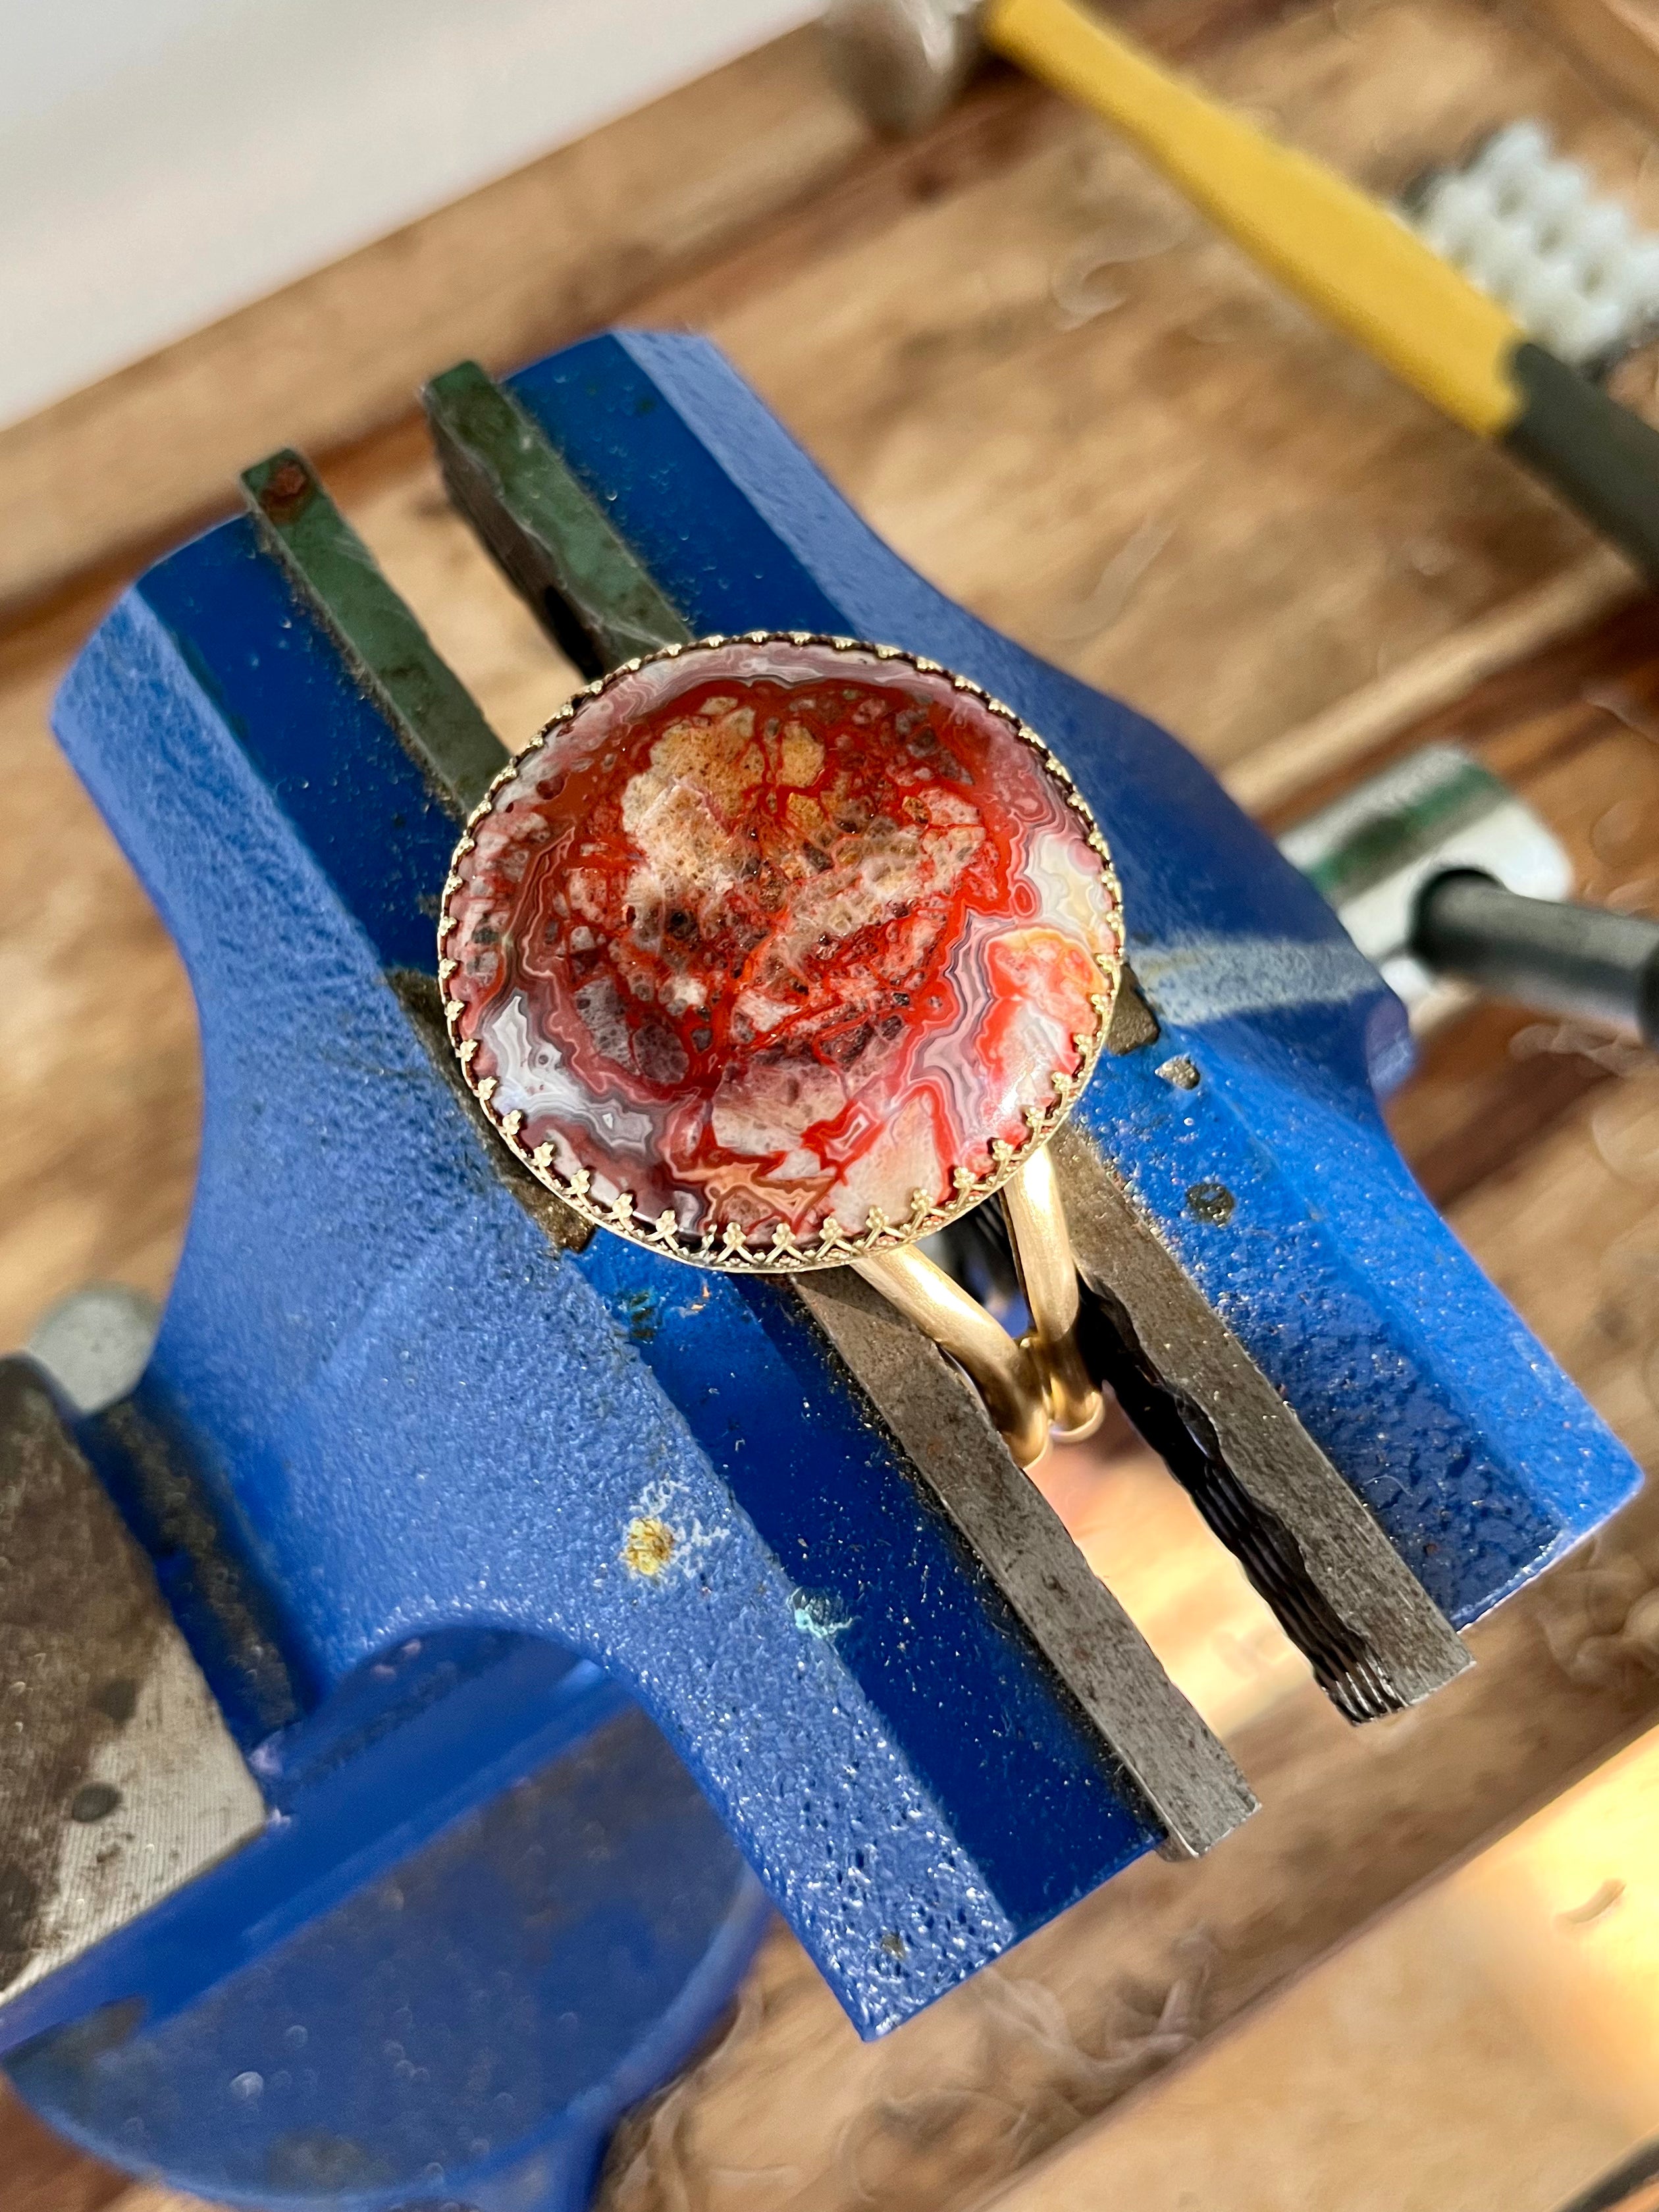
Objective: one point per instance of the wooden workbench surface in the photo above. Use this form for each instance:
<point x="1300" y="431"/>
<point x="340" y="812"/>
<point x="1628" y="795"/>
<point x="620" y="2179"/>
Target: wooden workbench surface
<point x="1089" y="421"/>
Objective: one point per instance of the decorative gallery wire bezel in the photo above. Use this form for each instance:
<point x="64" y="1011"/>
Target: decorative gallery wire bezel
<point x="728" y="1249"/>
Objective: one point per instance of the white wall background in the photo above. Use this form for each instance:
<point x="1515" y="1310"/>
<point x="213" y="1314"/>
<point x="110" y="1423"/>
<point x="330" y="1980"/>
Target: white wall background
<point x="163" y="161"/>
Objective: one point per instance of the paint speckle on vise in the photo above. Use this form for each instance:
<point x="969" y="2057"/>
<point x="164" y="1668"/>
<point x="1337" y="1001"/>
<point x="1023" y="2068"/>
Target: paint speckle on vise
<point x="666" y="1537"/>
<point x="649" y="1546"/>
<point x="640" y="1313"/>
<point x="818" y="1617"/>
<point x="1212" y="1202"/>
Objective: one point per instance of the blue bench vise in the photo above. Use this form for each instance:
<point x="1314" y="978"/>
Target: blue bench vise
<point x="469" y="1623"/>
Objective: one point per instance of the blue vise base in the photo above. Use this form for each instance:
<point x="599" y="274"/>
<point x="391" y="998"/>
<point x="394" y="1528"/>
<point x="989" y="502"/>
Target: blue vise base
<point x="410" y="1419"/>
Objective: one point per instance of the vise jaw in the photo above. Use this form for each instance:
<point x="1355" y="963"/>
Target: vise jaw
<point x="445" y="1494"/>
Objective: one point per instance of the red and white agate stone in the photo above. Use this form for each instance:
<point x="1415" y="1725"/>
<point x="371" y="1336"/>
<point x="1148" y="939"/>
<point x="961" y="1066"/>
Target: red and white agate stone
<point x="769" y="934"/>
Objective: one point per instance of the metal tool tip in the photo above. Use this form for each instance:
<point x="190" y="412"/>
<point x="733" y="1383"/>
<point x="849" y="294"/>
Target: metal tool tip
<point x="902" y="62"/>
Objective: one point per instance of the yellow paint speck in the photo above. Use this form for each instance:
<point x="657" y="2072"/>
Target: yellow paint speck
<point x="648" y="1545"/>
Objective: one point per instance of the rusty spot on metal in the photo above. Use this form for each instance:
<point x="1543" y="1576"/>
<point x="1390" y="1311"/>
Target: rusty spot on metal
<point x="286" y="491"/>
<point x="648" y="1545"/>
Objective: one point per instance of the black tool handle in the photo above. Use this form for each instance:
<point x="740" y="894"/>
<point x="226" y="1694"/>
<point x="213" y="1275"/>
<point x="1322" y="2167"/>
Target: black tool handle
<point x="1563" y="959"/>
<point x="1596" y="453"/>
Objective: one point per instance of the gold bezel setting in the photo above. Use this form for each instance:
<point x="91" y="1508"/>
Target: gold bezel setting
<point x="729" y="1249"/>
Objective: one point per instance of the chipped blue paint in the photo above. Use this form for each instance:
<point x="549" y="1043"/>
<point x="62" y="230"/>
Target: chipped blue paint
<point x="818" y="1616"/>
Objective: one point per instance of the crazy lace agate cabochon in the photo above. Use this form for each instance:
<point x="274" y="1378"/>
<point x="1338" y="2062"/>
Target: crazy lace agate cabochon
<point x="789" y="939"/>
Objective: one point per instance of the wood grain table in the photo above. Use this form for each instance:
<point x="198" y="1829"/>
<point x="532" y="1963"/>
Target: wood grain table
<point x="1087" y="418"/>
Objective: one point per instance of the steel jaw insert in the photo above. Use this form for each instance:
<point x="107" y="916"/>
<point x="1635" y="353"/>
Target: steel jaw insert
<point x="446" y="1491"/>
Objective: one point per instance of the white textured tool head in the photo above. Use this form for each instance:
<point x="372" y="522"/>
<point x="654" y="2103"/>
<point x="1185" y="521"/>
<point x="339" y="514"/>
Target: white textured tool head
<point x="902" y="62"/>
<point x="1527" y="229"/>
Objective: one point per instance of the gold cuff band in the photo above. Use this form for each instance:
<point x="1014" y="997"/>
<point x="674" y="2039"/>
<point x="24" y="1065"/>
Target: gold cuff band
<point x="1031" y="1386"/>
<point x="1042" y="1252"/>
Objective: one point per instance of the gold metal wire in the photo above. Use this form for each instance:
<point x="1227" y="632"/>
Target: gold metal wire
<point x="1031" y="1389"/>
<point x="1047" y="1271"/>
